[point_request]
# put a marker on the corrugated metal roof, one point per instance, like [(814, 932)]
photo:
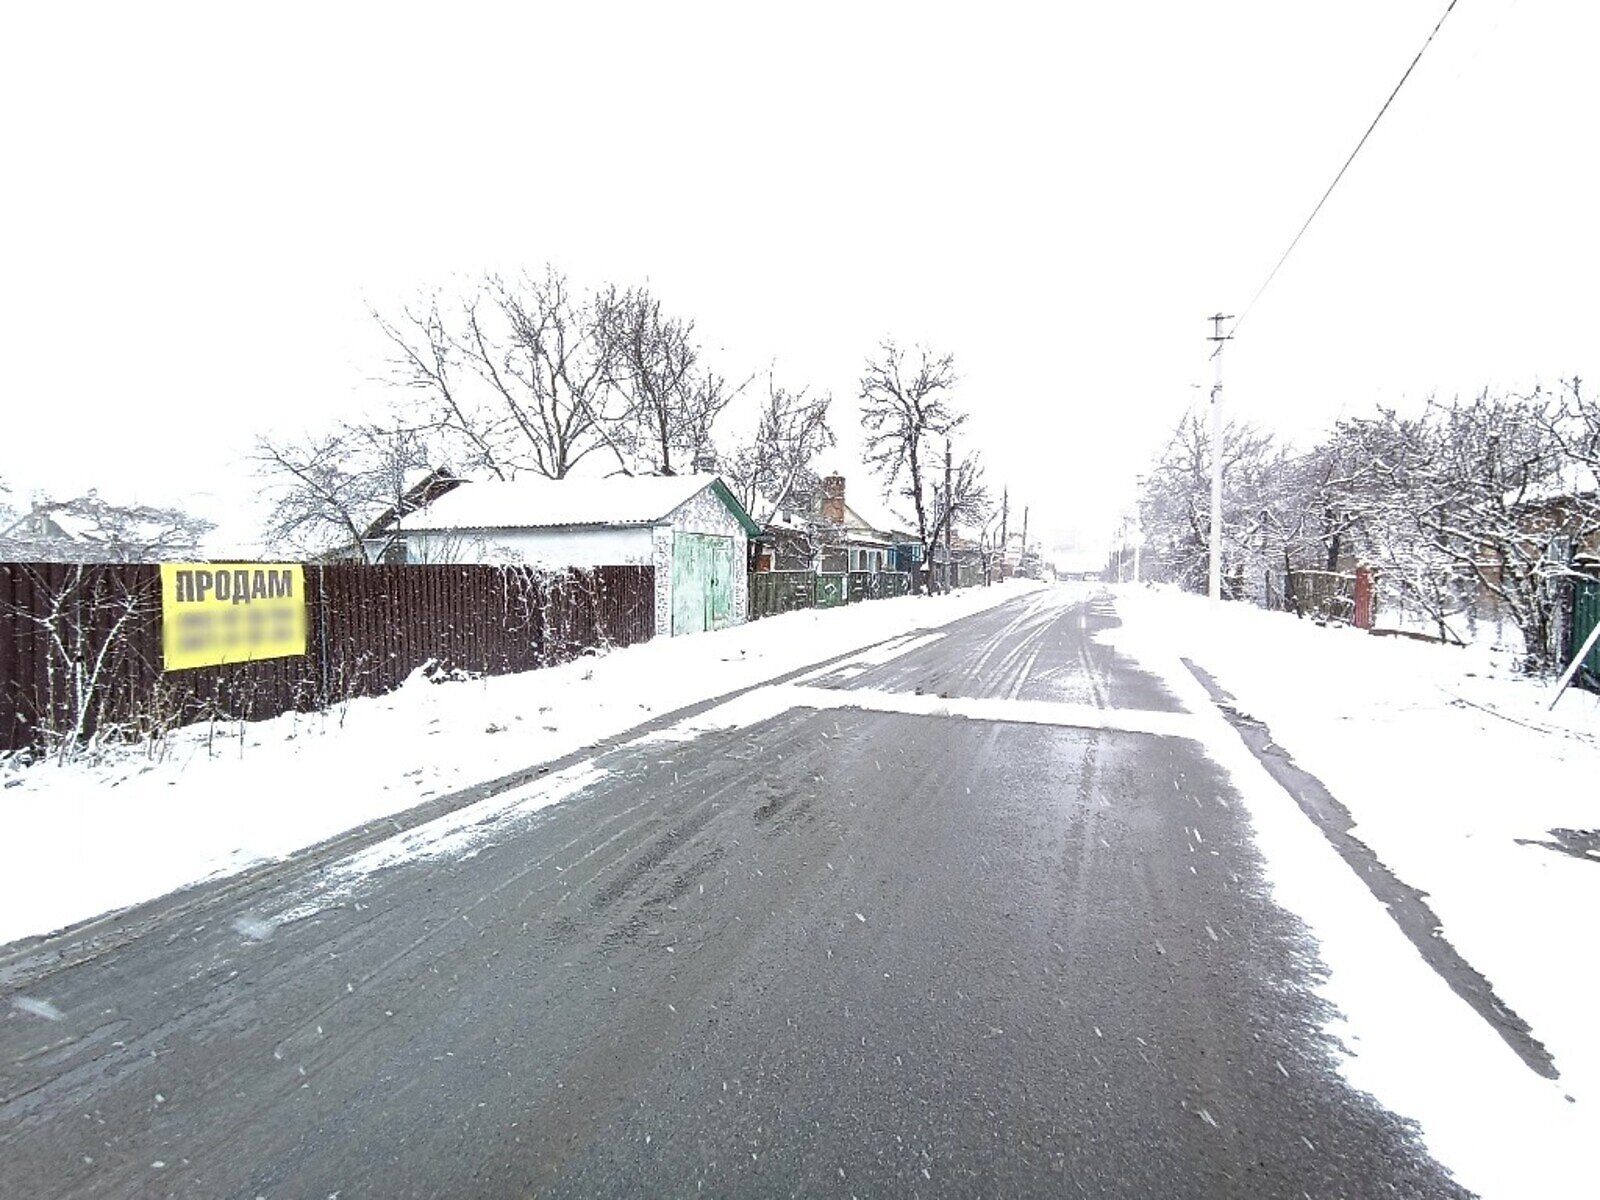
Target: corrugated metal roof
[(550, 503)]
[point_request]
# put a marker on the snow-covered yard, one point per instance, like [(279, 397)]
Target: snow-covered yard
[(1455, 773), (83, 839)]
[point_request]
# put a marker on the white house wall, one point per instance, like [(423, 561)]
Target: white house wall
[(701, 513), (625, 546)]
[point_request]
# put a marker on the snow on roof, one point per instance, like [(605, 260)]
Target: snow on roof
[(536, 503), (413, 477), (878, 516), (79, 529), (1569, 481), (792, 513), (785, 517)]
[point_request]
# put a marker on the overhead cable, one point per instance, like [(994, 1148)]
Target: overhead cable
[(1274, 272)]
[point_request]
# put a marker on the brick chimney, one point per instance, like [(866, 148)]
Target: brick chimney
[(833, 499)]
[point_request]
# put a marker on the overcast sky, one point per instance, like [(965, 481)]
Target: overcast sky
[(200, 202)]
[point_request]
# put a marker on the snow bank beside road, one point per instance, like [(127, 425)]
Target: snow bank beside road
[(1453, 771), (80, 840)]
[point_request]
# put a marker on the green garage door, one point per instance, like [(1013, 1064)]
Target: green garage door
[(702, 582)]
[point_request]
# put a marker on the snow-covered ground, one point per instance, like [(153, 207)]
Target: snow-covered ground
[(1452, 770), (83, 839)]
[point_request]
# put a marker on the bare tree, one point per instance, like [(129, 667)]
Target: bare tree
[(990, 546), (1309, 518), (1175, 504), (513, 374), (772, 471), (669, 400), (1384, 477), (328, 490), (427, 361), (959, 498), (1504, 509), (1455, 509), (540, 351), (904, 404), (1571, 419), (1472, 509), (524, 375)]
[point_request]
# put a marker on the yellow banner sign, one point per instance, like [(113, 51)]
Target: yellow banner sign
[(218, 613)]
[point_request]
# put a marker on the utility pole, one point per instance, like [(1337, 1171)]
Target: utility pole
[(949, 524), (1005, 512), (1024, 553), (1138, 526), (1215, 574)]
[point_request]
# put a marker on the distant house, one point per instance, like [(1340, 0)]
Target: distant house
[(875, 537), (690, 528), (43, 535), (89, 530), (836, 537), (790, 541), (1011, 556), (969, 560)]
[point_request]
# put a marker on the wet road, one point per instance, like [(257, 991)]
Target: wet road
[(964, 916)]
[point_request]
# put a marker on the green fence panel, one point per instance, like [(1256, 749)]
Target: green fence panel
[(773, 592), (832, 590)]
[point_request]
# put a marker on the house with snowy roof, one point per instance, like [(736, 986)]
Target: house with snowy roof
[(832, 536), (875, 536), (690, 528), (89, 530), (43, 535)]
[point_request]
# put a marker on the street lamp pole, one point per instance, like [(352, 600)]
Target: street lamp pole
[(1138, 524), (1214, 580)]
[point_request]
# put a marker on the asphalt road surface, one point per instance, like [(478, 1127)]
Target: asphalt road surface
[(923, 927)]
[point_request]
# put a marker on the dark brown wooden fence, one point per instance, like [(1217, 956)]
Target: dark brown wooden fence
[(80, 645)]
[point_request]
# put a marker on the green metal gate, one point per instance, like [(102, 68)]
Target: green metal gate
[(702, 582), (1585, 616)]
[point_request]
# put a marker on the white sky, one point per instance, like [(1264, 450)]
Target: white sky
[(199, 202)]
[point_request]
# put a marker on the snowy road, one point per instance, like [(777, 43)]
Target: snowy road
[(972, 914)]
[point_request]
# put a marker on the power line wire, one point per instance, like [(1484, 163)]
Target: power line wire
[(1273, 274)]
